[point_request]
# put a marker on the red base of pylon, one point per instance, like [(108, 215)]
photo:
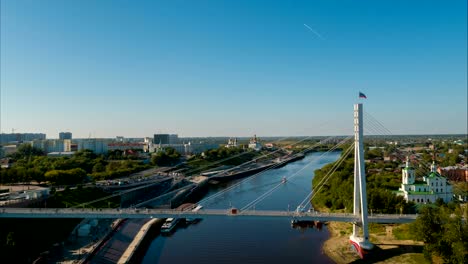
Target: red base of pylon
[(362, 248)]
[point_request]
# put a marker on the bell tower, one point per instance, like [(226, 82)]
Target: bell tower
[(408, 173)]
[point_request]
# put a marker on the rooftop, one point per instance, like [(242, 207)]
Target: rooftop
[(434, 174), (412, 192), (63, 153)]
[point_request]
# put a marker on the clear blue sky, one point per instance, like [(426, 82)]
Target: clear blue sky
[(212, 68)]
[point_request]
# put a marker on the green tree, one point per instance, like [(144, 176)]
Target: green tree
[(65, 177), (443, 232), (10, 240), (337, 192), (25, 151), (168, 157), (99, 167)]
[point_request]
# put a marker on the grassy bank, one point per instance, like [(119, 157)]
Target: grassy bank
[(392, 245)]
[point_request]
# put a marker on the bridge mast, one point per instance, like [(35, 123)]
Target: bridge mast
[(360, 194)]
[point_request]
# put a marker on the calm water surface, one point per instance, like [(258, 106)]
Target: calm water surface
[(250, 240)]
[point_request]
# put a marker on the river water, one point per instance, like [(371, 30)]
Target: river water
[(250, 240)]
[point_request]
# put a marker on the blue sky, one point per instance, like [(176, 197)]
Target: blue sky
[(214, 68)]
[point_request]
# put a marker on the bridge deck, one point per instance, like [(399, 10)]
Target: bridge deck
[(166, 213)]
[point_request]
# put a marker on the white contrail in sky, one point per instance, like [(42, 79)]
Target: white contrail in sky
[(313, 31)]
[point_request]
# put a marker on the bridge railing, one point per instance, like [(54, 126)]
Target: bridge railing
[(164, 213)]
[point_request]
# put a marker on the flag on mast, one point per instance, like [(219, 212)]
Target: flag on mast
[(361, 95)]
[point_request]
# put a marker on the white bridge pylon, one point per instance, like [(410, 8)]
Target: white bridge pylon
[(360, 194)]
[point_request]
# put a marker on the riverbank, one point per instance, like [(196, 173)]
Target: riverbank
[(141, 240), (391, 242)]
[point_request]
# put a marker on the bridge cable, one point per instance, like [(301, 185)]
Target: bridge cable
[(266, 194), (257, 174), (265, 155), (400, 155), (325, 179), (335, 166), (375, 123), (263, 196)]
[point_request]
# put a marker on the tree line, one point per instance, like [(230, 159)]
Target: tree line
[(30, 164), (337, 193)]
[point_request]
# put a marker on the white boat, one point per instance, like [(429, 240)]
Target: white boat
[(194, 220), (169, 224), (196, 209)]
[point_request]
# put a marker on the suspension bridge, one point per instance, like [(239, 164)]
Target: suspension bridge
[(359, 217), (166, 213)]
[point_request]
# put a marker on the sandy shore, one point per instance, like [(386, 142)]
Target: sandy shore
[(388, 249)]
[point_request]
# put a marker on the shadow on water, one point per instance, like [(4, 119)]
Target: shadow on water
[(306, 224), (380, 254)]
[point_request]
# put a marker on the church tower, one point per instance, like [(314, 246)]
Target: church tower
[(433, 166), (408, 173)]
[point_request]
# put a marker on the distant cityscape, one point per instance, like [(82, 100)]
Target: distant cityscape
[(66, 145)]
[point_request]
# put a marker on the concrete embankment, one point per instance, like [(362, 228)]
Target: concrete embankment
[(141, 239), (245, 172)]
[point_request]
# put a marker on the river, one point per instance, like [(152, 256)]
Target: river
[(250, 240)]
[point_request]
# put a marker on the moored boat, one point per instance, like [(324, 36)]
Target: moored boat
[(169, 225)]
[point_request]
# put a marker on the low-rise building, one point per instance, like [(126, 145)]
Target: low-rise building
[(9, 149), (61, 154), (184, 149), (6, 163), (125, 146), (432, 187), (271, 146), (197, 148), (455, 173)]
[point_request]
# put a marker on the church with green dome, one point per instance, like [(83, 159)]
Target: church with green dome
[(432, 187)]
